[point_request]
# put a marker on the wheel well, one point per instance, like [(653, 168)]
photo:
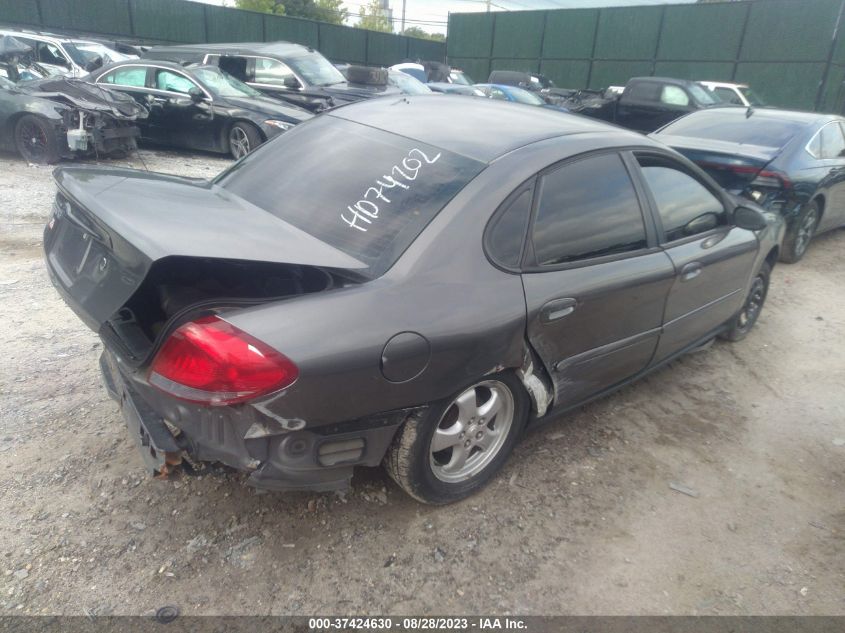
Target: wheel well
[(227, 129)]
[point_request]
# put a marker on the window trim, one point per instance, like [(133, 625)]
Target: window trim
[(818, 133), (302, 84), (151, 79), (529, 259), (655, 211), (529, 185)]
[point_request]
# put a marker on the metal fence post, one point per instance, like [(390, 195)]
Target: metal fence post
[(741, 41), (830, 52), (593, 49)]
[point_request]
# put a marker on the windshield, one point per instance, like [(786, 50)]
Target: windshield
[(370, 196), (733, 127), (408, 84), (316, 70), (750, 96), (84, 52), (460, 77), (703, 95), (523, 96), (224, 85)]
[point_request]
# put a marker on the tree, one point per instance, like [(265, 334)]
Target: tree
[(373, 18), (330, 11), (415, 31), (277, 7)]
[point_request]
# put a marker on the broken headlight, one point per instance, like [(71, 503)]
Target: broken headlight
[(282, 125)]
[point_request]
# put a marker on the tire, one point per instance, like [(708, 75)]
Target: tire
[(441, 476), (799, 235), (35, 140), (742, 323), (242, 139)]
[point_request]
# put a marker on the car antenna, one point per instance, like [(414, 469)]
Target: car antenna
[(749, 112)]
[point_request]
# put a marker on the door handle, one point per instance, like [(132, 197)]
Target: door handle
[(557, 309), (691, 271)]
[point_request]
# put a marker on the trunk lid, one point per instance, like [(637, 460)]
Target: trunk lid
[(733, 165), (111, 228)]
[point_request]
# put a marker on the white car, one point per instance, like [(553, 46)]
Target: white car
[(63, 55), (735, 94)]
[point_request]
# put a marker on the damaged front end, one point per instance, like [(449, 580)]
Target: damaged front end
[(95, 120)]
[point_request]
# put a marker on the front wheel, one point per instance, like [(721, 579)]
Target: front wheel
[(743, 322), (35, 139), (243, 138), (458, 444), (798, 238)]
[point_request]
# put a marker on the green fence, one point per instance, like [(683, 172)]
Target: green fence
[(180, 21), (791, 51)]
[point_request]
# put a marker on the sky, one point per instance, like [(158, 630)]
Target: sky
[(432, 15)]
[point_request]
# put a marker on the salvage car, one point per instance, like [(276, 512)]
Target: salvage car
[(734, 94), (648, 103), (48, 119), (283, 70), (72, 57), (415, 297), (792, 163), (515, 95), (200, 107)]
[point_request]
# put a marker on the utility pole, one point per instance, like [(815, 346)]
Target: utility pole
[(403, 16), (488, 6)]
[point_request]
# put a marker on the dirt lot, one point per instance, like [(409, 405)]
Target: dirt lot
[(582, 520)]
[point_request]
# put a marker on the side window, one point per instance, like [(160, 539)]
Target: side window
[(50, 54), (173, 82), (833, 144), (272, 72), (587, 209), (507, 233), (728, 96), (131, 76), (642, 91), (814, 147), (674, 95), (235, 66), (686, 207), (495, 93)]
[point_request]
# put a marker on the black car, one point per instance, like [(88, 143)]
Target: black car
[(414, 297), (199, 107), (57, 117), (792, 163), (283, 70)]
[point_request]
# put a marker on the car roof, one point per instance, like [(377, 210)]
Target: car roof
[(265, 48), (462, 126), (665, 80), (149, 62), (774, 114), (723, 84)]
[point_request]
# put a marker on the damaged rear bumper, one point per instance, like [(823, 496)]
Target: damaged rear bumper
[(276, 458)]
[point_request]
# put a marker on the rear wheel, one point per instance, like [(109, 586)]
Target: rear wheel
[(243, 138), (747, 317), (458, 444), (36, 140), (798, 238)]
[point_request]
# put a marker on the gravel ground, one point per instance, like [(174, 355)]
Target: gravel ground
[(581, 521)]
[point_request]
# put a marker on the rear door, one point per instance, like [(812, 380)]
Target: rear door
[(133, 80), (595, 280), (712, 259)]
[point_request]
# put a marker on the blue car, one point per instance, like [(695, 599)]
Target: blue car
[(517, 95)]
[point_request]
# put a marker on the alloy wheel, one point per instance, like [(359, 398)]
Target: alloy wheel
[(33, 141), (471, 431), (805, 232), (239, 142)]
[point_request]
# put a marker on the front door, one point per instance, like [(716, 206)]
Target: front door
[(832, 185), (181, 120), (712, 259), (596, 282)]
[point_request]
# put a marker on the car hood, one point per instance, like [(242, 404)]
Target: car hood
[(269, 108), (88, 96)]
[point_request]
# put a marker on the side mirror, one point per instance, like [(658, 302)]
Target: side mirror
[(750, 219), (291, 82), (701, 224), (94, 64), (196, 94)]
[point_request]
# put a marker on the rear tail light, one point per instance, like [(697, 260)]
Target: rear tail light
[(210, 361), (771, 180)]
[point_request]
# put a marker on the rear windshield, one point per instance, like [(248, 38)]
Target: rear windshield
[(734, 127), (364, 191)]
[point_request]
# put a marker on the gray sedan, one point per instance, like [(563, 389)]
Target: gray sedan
[(403, 281)]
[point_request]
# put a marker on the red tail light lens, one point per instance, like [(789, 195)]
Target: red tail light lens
[(210, 361)]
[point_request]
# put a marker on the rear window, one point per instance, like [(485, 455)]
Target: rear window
[(364, 191), (733, 128)]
